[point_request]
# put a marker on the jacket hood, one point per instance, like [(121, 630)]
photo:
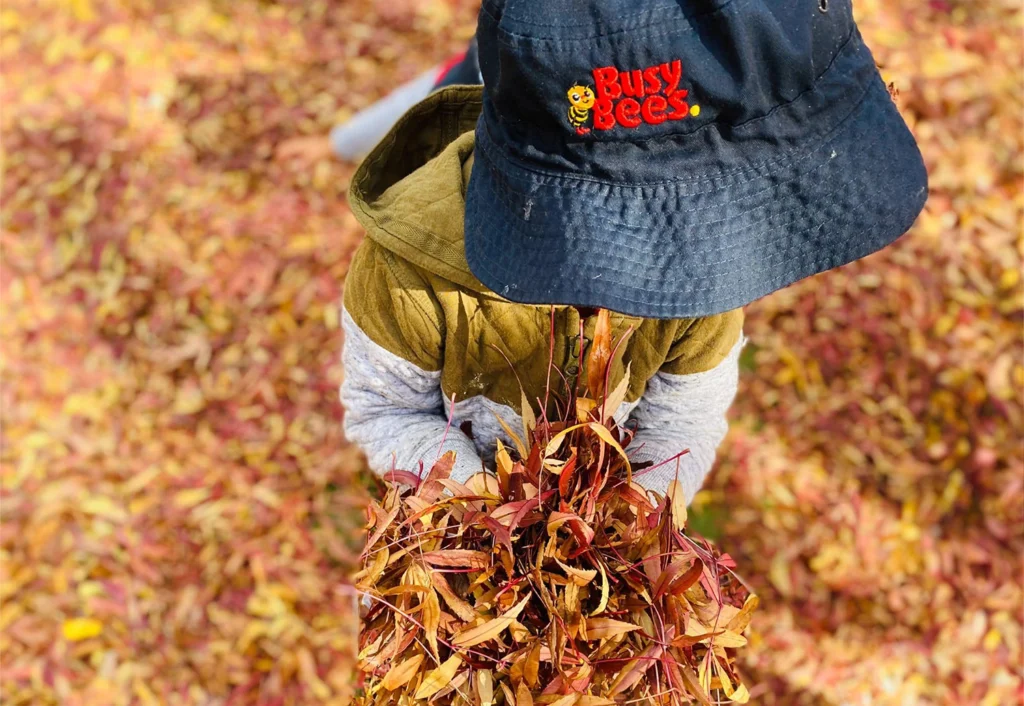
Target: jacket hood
[(409, 193)]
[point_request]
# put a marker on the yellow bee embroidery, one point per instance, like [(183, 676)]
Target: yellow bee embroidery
[(581, 100)]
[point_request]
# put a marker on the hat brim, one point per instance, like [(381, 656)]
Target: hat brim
[(690, 247)]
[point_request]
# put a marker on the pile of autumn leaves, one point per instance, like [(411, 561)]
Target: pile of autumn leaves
[(556, 581)]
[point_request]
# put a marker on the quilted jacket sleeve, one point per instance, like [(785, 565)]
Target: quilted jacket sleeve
[(394, 407), (681, 418)]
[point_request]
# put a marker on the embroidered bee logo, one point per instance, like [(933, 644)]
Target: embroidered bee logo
[(581, 100)]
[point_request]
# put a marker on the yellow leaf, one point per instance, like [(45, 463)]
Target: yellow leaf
[(520, 446), (82, 10), (741, 620), (693, 685), (779, 575), (604, 591), (556, 441), (580, 577), (606, 436), (567, 700), (738, 694), (84, 404), (992, 639), (188, 400), (678, 500), (485, 687), (728, 639), (458, 606), (102, 506), (584, 406), (400, 674), (603, 628), (489, 630), (529, 418), (191, 497), (77, 629), (502, 458), (615, 399), (368, 576), (437, 679)]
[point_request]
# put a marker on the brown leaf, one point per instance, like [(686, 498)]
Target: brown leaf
[(458, 558), (694, 687), (460, 607)]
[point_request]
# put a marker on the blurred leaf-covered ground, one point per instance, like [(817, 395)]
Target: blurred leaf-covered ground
[(177, 499)]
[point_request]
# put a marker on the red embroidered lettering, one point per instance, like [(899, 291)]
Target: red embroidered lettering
[(606, 81), (632, 83), (651, 83), (628, 98), (603, 118), (653, 110), (673, 74), (678, 101), (627, 111)]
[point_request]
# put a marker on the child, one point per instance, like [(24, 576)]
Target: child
[(668, 162)]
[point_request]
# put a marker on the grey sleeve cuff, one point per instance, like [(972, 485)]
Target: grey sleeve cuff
[(394, 411), (684, 412)]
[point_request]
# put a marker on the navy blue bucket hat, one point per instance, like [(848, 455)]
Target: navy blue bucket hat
[(673, 159)]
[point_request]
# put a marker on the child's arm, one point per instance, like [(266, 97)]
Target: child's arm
[(394, 407), (685, 405)]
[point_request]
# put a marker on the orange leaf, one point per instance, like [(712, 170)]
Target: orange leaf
[(400, 674), (532, 666), (600, 354), (523, 696), (491, 629), (430, 614), (603, 628)]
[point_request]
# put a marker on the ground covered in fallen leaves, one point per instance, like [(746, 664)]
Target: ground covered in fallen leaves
[(176, 494)]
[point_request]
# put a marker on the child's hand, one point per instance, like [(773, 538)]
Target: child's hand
[(306, 151)]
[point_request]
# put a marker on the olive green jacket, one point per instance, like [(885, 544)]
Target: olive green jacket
[(422, 331)]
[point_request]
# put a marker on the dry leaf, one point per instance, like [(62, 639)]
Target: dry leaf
[(401, 673)]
